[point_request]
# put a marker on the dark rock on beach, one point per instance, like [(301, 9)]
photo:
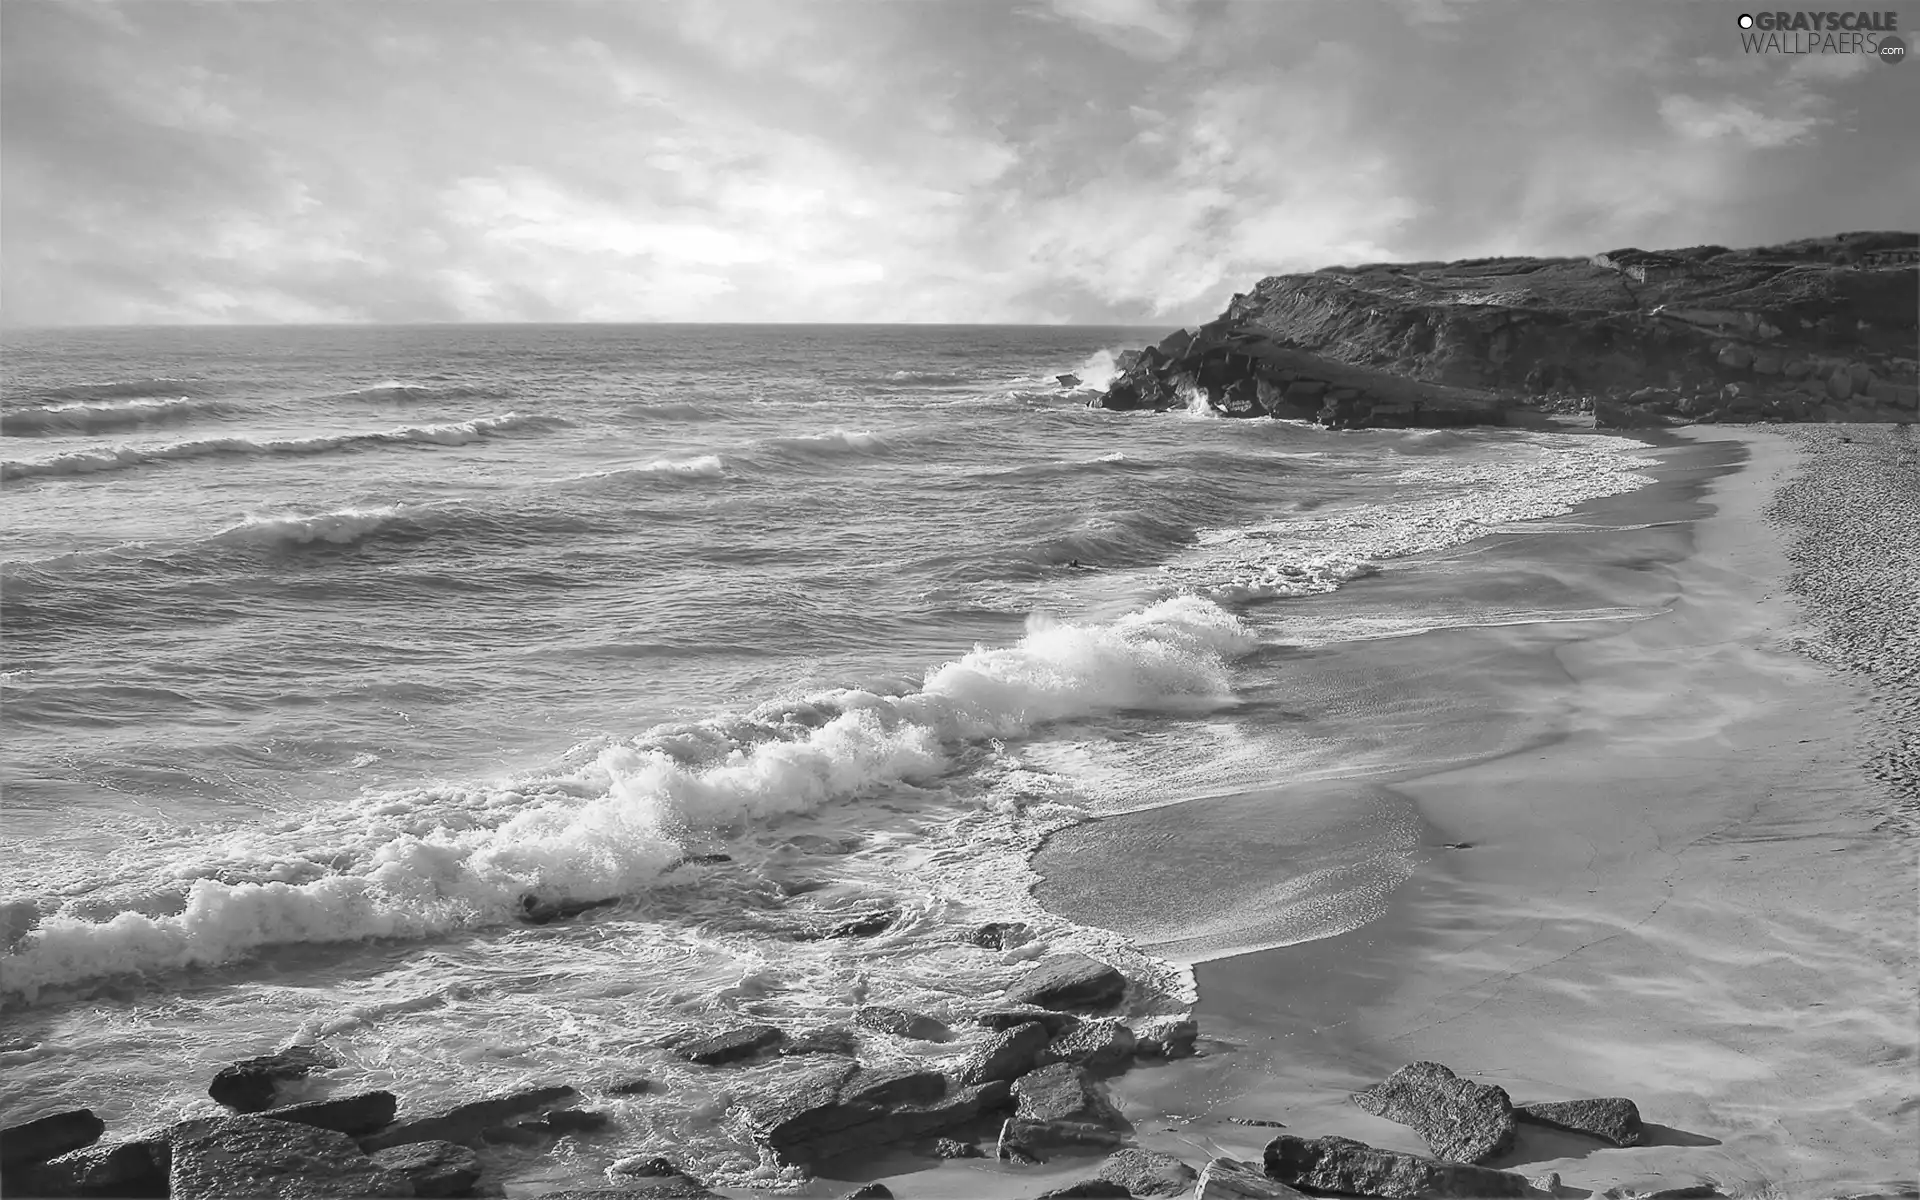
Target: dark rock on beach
[(1231, 1179), (947, 1147), (1461, 1120), (830, 1040), (900, 1023), (1088, 1189), (354, 1115), (467, 1124), (1101, 1043), (223, 1157), (1166, 1037), (1054, 1022), (1611, 1119), (434, 1168), (1070, 981), (1006, 1055), (1347, 1167), (732, 1045), (252, 1085), (840, 1109), (1149, 1173), (127, 1169), (870, 1191), (670, 1187), (1058, 1106), (865, 925), (537, 911), (1001, 935), (45, 1137)]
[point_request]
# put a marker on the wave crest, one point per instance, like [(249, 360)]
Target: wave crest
[(425, 861), (117, 458), (95, 416)]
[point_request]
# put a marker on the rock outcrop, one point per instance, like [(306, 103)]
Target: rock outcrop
[(222, 1157), (1350, 1168), (844, 1108), (1149, 1173), (354, 1115), (253, 1085), (1462, 1121), (1070, 981), (468, 1124), (1823, 329), (1060, 1106), (1231, 1179), (434, 1168), (46, 1137)]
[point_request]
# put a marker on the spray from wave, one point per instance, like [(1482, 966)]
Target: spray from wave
[(117, 458), (426, 861)]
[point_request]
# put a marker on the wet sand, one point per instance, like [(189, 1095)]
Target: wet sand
[(1646, 864)]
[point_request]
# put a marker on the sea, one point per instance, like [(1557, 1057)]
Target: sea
[(345, 666)]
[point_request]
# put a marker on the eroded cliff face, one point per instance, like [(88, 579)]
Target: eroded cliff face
[(1820, 329)]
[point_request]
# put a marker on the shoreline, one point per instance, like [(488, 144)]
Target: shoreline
[(1701, 918)]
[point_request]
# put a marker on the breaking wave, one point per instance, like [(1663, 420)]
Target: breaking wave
[(118, 458), (418, 862), (394, 389), (95, 416)]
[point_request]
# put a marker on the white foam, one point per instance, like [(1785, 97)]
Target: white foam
[(340, 527), (419, 861)]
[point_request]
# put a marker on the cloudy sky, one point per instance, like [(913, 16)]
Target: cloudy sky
[(933, 160)]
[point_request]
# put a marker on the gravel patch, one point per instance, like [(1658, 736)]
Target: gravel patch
[(1852, 517)]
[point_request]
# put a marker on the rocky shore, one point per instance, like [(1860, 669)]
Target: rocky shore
[(1817, 330), (1034, 1089)]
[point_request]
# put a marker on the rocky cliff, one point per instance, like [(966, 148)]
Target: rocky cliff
[(1822, 329)]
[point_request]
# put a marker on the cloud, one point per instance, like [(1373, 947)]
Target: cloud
[(1112, 160)]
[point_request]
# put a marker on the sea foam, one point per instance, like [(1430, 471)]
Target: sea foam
[(95, 416), (417, 862)]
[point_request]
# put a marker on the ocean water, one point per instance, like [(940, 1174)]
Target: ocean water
[(328, 650)]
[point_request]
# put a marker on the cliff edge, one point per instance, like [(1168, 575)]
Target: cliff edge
[(1820, 329)]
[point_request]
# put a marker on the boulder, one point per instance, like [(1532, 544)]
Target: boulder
[(1061, 1105), (137, 1168), (830, 1040), (1736, 358), (629, 1087), (1070, 981), (1611, 1119), (901, 1023), (1767, 362), (47, 1137), (1001, 935), (947, 1147), (840, 1109), (1056, 1023), (870, 1191), (731, 1045), (865, 925), (1148, 1172), (359, 1114), (1337, 1164), (537, 911), (1100, 1043), (1088, 1189), (1231, 1179), (1006, 1055), (466, 1124), (1839, 384), (434, 1168), (1894, 395), (560, 1121), (1166, 1037), (1176, 344), (219, 1158), (252, 1085), (1069, 380), (1461, 1120)]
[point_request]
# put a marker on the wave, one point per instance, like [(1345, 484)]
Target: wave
[(948, 378), (341, 527), (840, 443), (425, 861), (95, 416), (1436, 505), (116, 389), (117, 458), (394, 389)]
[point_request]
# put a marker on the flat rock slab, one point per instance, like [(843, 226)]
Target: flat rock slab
[(1461, 1120), (223, 1157), (49, 1136), (1149, 1173), (1347, 1167), (1088, 1189), (1057, 1106), (730, 1045), (468, 1123), (837, 1110), (359, 1114), (252, 1085), (1612, 1119), (1101, 1043), (1232, 1179), (434, 1168), (901, 1023), (1070, 981)]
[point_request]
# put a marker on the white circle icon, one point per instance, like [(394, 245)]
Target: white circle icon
[(1746, 21)]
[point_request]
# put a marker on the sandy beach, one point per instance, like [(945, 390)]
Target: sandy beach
[(1654, 860)]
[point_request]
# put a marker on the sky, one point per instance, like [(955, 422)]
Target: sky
[(1039, 161)]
